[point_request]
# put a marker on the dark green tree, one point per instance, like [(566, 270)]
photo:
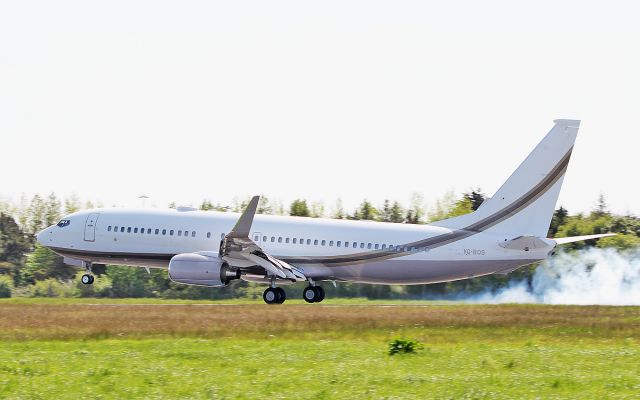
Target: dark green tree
[(299, 208)]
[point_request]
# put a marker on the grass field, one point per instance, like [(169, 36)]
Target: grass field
[(158, 349)]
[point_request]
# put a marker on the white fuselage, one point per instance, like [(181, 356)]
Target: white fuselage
[(359, 251)]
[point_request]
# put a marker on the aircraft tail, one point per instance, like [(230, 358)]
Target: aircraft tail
[(524, 204)]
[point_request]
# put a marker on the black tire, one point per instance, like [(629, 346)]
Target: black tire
[(270, 296), (320, 292), (282, 295), (93, 278), (86, 279), (309, 294)]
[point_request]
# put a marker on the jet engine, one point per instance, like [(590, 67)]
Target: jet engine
[(201, 270)]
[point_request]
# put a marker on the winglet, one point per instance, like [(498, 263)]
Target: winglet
[(243, 226)]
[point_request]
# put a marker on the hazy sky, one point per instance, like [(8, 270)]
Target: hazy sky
[(352, 99)]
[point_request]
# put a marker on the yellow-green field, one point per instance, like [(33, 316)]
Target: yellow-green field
[(154, 349)]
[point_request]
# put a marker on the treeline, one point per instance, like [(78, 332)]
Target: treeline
[(28, 269)]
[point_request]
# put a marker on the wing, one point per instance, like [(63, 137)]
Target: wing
[(572, 239), (238, 250)]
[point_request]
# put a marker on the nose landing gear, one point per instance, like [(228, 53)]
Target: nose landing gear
[(87, 279)]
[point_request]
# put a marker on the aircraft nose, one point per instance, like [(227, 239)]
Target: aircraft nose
[(43, 236)]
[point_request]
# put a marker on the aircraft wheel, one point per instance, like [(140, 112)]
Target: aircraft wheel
[(282, 295), (310, 295), (87, 279), (271, 296), (320, 292)]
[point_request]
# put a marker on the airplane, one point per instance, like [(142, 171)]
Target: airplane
[(209, 248)]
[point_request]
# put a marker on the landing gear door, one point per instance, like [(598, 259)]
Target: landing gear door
[(90, 227)]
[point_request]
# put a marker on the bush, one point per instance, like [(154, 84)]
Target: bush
[(404, 346), (51, 288), (6, 287)]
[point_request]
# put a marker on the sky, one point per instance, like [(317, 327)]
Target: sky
[(183, 101)]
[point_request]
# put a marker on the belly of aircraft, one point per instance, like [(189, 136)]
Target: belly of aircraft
[(413, 272)]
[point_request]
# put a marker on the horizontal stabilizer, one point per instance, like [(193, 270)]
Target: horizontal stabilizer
[(572, 239)]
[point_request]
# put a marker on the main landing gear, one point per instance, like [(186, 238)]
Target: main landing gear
[(277, 295), (313, 294), (274, 295)]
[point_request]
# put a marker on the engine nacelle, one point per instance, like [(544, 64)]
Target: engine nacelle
[(201, 270)]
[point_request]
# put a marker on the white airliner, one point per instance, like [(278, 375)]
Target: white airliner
[(211, 248)]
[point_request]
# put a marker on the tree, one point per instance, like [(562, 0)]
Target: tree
[(338, 210), (476, 197), (43, 263), (559, 218), (52, 210), (13, 243), (317, 209), (601, 206), (37, 219), (71, 204), (366, 211), (299, 208)]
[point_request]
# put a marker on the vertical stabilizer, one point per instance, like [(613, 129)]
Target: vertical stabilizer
[(524, 204)]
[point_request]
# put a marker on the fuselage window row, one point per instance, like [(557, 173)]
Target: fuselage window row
[(156, 231)]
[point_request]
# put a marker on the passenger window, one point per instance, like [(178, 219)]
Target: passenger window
[(142, 230), (179, 233), (149, 231), (301, 241), (338, 243), (286, 240), (208, 235), (129, 230), (323, 243), (280, 239), (308, 241), (164, 231), (330, 243), (264, 238), (362, 245), (171, 232), (186, 233), (109, 228), (376, 246), (315, 242), (122, 229), (355, 244), (273, 239), (368, 245), (346, 244), (295, 240), (193, 233), (157, 231), (384, 246), (135, 230), (256, 238), (115, 229)]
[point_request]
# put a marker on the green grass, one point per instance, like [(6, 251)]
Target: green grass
[(254, 351)]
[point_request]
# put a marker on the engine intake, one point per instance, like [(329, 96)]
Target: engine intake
[(201, 270)]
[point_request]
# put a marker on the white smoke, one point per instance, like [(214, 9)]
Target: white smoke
[(594, 276)]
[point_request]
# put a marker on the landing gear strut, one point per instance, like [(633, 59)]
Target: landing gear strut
[(274, 295), (87, 278), (313, 294)]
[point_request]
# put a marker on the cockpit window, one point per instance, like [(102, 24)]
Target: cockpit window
[(63, 223)]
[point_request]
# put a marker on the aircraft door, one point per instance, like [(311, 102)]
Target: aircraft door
[(90, 227)]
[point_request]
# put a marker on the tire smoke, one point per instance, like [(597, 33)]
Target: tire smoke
[(593, 276)]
